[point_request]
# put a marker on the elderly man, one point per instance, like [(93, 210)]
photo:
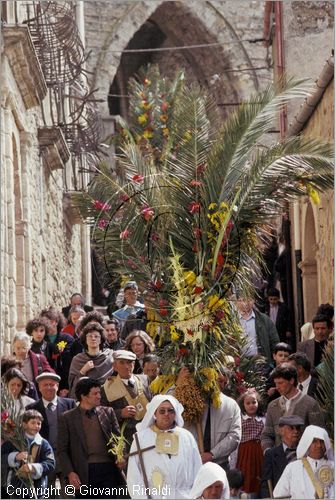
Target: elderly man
[(290, 402), (210, 482), (76, 299), (127, 394), (276, 459), (51, 406), (312, 475), (83, 434), (132, 305), (260, 332)]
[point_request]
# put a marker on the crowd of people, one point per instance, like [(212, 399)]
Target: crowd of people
[(81, 383)]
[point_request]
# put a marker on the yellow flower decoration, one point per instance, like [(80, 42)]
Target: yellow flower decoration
[(174, 333), (190, 277), (163, 118), (187, 136), (148, 134), (212, 206), (216, 399), (314, 195), (142, 118), (145, 105), (61, 345), (166, 132)]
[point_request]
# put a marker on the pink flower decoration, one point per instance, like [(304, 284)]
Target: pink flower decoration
[(195, 183), (124, 197), (138, 178), (194, 207), (102, 223), (148, 212), (197, 232), (154, 237), (124, 234), (100, 205)]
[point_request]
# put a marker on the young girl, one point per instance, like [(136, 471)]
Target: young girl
[(250, 454)]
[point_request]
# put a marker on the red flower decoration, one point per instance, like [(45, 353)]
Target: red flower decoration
[(237, 361), (102, 223), (124, 197), (4, 416), (55, 356), (138, 178), (100, 205), (190, 332), (154, 237), (219, 314), (183, 352), (201, 168), (148, 213), (195, 183), (197, 232), (124, 234), (194, 207), (197, 290), (164, 106), (163, 312)]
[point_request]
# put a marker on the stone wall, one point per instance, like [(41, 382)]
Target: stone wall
[(42, 253), (111, 25)]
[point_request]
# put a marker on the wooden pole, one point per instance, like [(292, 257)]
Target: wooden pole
[(200, 436), (145, 478)]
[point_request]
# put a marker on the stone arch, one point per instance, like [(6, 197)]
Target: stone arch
[(309, 265), (183, 24), (20, 244)]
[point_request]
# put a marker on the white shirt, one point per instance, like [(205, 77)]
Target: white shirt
[(273, 313), (295, 481), (305, 385), (54, 402), (249, 327), (289, 401)]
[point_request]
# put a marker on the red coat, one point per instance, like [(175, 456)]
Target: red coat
[(39, 364)]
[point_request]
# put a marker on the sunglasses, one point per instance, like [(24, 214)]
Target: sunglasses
[(163, 411)]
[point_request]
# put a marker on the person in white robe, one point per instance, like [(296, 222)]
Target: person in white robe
[(313, 472), (210, 482), (168, 468)]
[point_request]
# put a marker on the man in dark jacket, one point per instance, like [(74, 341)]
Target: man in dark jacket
[(259, 330), (82, 453), (276, 459), (51, 407), (280, 315)]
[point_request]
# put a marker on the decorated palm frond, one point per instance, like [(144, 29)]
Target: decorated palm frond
[(325, 392), (117, 443), (183, 209)]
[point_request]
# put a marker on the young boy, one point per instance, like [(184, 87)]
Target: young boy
[(280, 355), (37, 461)]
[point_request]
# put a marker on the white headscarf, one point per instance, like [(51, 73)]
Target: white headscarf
[(208, 474), (311, 432), (149, 419)]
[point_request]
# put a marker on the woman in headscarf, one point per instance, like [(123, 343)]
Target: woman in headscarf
[(312, 474), (93, 362), (210, 482), (164, 457)]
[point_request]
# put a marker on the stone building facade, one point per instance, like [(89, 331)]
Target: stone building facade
[(304, 44), (45, 252)]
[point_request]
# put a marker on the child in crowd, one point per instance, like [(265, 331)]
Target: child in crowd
[(250, 454), (236, 480), (280, 355), (36, 461)]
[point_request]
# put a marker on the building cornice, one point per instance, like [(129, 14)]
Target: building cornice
[(21, 54), (53, 147)]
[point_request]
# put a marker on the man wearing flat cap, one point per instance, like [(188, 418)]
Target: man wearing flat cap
[(132, 305), (276, 459), (51, 407), (127, 394)]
